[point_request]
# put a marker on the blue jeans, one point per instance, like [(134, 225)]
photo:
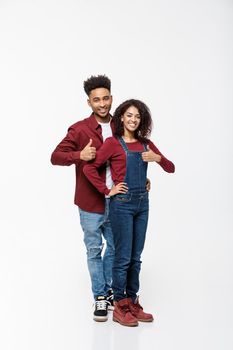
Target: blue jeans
[(96, 227), (129, 218)]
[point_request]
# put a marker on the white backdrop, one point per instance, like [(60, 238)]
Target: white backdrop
[(177, 57)]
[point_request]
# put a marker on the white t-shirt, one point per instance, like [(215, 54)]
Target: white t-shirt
[(107, 132)]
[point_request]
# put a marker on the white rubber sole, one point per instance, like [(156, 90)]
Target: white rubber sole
[(100, 318)]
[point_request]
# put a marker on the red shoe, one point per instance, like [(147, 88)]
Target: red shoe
[(122, 314), (137, 311)]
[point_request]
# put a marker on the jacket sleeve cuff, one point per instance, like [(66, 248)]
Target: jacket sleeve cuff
[(162, 161), (76, 156)]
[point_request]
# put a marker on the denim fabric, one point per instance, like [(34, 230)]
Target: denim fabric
[(129, 218), (136, 170), (96, 227)]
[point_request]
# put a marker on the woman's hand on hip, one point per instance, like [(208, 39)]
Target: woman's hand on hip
[(119, 188)]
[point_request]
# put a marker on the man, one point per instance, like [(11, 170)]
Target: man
[(78, 147)]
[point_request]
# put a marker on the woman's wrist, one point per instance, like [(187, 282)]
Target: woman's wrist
[(158, 158)]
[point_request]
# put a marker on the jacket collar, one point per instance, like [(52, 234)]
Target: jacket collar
[(93, 122)]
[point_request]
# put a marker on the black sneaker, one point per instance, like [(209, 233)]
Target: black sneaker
[(101, 309), (110, 300)]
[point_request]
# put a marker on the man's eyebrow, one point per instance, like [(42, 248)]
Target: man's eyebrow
[(97, 97)]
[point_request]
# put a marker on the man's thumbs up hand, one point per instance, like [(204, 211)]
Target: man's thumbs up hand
[(88, 152)]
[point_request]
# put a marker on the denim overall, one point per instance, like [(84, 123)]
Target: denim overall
[(129, 217)]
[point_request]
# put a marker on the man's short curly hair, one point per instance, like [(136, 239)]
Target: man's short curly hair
[(94, 82)]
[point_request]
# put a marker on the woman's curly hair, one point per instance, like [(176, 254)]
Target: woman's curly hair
[(144, 129)]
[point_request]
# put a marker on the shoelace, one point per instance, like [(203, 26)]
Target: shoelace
[(110, 299), (125, 309), (137, 306), (101, 304)]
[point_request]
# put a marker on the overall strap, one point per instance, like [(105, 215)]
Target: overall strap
[(123, 144)]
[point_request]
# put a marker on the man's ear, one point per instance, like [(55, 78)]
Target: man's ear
[(88, 102)]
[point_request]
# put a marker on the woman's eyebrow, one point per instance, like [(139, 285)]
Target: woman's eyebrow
[(132, 113)]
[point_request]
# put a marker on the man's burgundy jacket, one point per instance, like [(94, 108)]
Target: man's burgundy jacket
[(87, 197)]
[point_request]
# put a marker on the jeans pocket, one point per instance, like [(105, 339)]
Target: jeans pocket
[(122, 197)]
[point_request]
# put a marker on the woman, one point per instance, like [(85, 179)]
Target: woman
[(128, 153)]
